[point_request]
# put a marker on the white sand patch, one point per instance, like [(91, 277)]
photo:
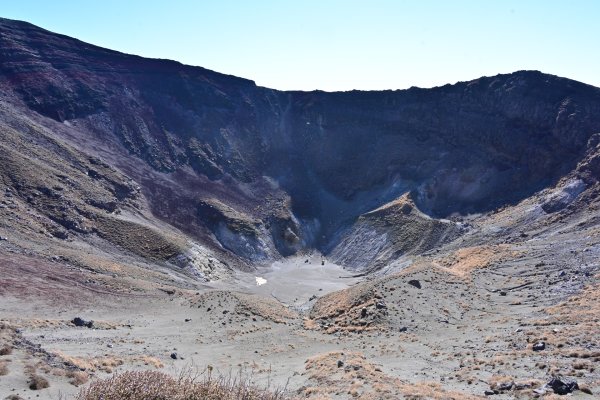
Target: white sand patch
[(260, 281)]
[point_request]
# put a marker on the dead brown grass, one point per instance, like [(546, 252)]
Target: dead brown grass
[(4, 369), (153, 385), (14, 397), (92, 364), (356, 377), (6, 350), (465, 260), (584, 306), (152, 361), (78, 378), (37, 382)]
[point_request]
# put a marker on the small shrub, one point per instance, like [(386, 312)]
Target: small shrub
[(37, 382), (154, 385), (5, 350), (580, 365), (3, 369), (78, 378)]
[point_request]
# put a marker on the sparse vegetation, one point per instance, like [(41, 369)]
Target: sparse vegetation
[(6, 350), (3, 369), (37, 382), (14, 397), (153, 385), (78, 378)]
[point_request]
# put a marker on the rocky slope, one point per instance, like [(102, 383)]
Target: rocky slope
[(251, 174), (145, 197)]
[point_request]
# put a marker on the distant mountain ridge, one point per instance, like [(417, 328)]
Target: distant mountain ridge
[(253, 173)]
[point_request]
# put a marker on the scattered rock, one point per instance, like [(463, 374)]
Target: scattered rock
[(522, 386), (489, 393), (174, 356), (340, 364), (350, 368), (559, 386), (363, 313), (503, 293), (504, 387), (562, 386), (541, 391), (416, 283), (403, 329), (188, 319), (539, 346), (380, 305), (78, 321)]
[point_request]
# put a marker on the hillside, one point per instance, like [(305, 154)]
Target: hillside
[(424, 238)]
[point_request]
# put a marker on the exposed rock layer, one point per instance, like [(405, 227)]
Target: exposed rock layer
[(255, 173)]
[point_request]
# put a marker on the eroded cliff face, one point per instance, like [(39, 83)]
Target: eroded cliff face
[(258, 174)]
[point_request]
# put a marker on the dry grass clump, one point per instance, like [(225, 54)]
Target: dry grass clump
[(92, 364), (432, 391), (497, 381), (3, 369), (78, 378), (6, 350), (152, 361), (351, 374), (583, 307), (37, 382), (465, 260), (153, 385)]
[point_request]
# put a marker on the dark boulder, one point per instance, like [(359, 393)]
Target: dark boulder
[(563, 386), (78, 321), (416, 283), (539, 346)]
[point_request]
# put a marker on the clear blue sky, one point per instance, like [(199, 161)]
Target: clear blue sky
[(340, 44)]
